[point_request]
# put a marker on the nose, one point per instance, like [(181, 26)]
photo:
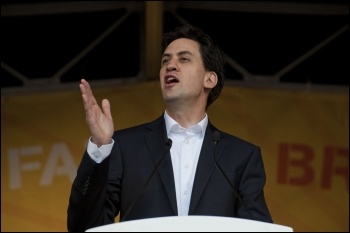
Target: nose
[(171, 66)]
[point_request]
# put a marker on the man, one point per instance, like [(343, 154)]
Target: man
[(167, 167)]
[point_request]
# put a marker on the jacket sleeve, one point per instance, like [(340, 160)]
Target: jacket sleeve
[(95, 193)]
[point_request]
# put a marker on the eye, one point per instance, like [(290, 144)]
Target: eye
[(164, 61), (183, 59)]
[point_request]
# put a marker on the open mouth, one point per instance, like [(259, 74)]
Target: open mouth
[(171, 79)]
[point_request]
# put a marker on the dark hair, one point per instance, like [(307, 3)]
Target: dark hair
[(212, 56)]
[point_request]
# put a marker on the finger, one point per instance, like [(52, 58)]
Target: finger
[(86, 102), (85, 87), (89, 93), (85, 96), (89, 100), (106, 106), (89, 97)]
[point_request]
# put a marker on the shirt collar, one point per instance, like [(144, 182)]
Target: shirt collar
[(173, 126)]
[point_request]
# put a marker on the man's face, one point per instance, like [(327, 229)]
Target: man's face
[(182, 74)]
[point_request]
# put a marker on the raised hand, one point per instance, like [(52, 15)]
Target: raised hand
[(99, 120)]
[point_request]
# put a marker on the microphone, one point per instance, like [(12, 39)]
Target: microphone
[(216, 137), (168, 144)]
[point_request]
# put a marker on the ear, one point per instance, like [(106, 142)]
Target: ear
[(211, 79)]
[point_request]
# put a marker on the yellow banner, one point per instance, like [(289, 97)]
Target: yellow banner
[(304, 138)]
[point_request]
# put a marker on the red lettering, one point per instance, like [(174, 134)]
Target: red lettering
[(329, 169), (303, 163), (300, 156)]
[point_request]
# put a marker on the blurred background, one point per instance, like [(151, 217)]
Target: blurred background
[(287, 90)]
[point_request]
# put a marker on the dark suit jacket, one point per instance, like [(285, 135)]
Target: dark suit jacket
[(100, 191)]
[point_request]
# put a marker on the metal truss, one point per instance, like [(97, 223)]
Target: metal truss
[(49, 8)]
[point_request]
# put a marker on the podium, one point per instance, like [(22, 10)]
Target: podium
[(192, 224)]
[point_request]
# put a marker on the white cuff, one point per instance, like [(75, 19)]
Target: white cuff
[(99, 154)]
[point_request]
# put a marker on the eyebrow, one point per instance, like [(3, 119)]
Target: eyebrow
[(179, 53)]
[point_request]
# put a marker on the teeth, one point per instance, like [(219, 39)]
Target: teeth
[(170, 79)]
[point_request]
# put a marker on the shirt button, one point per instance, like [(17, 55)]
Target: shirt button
[(187, 166), (185, 193)]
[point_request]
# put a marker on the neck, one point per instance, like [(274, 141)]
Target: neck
[(186, 118)]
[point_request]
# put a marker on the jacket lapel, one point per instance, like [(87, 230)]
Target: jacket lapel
[(155, 139), (205, 167)]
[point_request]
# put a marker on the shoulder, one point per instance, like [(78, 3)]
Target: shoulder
[(239, 150), (140, 128), (235, 142)]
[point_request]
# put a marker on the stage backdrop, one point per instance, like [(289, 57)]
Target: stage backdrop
[(304, 138)]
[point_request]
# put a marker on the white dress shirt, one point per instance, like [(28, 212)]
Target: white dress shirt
[(185, 150), (186, 146)]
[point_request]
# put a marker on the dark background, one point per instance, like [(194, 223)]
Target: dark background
[(263, 37)]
